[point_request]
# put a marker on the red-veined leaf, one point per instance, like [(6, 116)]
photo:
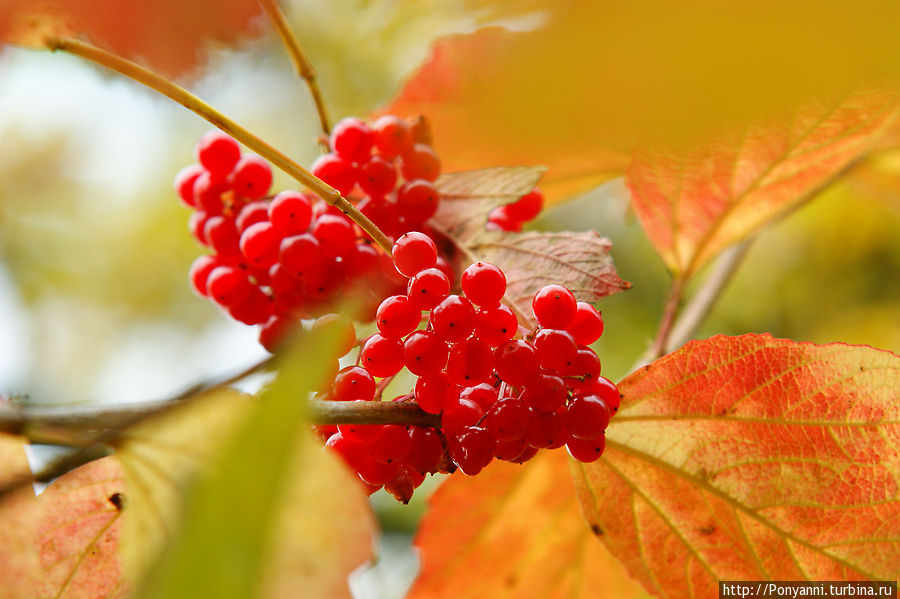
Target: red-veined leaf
[(514, 531), (694, 202), (742, 458)]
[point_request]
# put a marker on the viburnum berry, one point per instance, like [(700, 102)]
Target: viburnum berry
[(414, 252), (396, 317), (382, 356), (516, 362), (554, 306), (335, 171), (378, 176), (252, 177), (556, 349), (454, 318), (425, 353), (218, 153), (260, 244), (428, 288), (507, 419), (434, 393), (587, 324), (290, 212), (351, 139), (184, 183), (420, 162), (417, 201), (586, 417), (250, 214), (527, 207), (391, 136), (495, 325), (586, 451), (353, 383), (199, 273), (484, 284), (469, 362)]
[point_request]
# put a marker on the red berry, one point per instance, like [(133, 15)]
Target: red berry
[(463, 413), (335, 171), (335, 234), (554, 307), (556, 349), (353, 383), (547, 393), (516, 362), (252, 177), (420, 162), (413, 252), (484, 394), (275, 330), (586, 451), (381, 212), (417, 201), (351, 139), (435, 393), (222, 236), (197, 226), (382, 356), (228, 286), (426, 449), (396, 317), (527, 207), (302, 257), (507, 419), (469, 362), (495, 325), (425, 353), (260, 244), (208, 192), (510, 450), (608, 392), (392, 136), (250, 214), (586, 417), (256, 308), (546, 431), (199, 273), (290, 212), (352, 452), (586, 325), (428, 288), (484, 284), (454, 318), (585, 365), (526, 455), (405, 483), (184, 183), (377, 473), (218, 153), (500, 220), (377, 176), (391, 445), (472, 449)]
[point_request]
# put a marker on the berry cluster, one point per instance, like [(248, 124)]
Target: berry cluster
[(502, 391), (511, 217), (277, 259)]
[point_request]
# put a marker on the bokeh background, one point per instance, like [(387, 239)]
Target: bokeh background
[(94, 247)]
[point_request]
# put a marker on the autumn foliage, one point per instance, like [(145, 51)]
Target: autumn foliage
[(747, 457)]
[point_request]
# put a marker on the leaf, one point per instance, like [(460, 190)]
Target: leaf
[(580, 261), (694, 202), (578, 90), (78, 532), (18, 520), (167, 35), (261, 518), (752, 458), (514, 531), (468, 197)]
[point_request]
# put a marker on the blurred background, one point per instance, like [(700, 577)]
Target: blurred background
[(94, 246)]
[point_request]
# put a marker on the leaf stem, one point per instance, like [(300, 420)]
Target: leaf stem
[(700, 305), (302, 64), (670, 311), (196, 105)]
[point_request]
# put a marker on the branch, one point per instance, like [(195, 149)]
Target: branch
[(670, 311), (301, 63), (702, 302), (196, 105)]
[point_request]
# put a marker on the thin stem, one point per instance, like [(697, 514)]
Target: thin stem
[(670, 311), (302, 65), (216, 118), (700, 305), (370, 412), (521, 315)]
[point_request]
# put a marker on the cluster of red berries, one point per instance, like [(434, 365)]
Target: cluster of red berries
[(502, 391), (277, 259)]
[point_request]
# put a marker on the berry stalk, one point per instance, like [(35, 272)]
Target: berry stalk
[(302, 65), (197, 106)]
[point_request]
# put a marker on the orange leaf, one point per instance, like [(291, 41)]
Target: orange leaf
[(18, 520), (693, 203), (78, 533), (747, 458), (166, 35), (472, 132), (514, 531)]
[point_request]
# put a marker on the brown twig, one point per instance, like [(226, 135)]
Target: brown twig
[(302, 65), (670, 311), (196, 105)]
